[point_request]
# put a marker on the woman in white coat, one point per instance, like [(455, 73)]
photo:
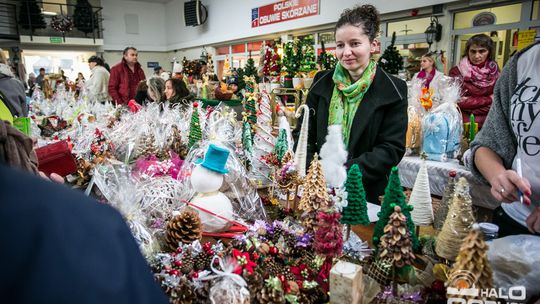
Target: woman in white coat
[(428, 73), (98, 82)]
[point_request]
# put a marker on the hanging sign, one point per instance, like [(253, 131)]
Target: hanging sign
[(525, 38), (283, 11), (55, 40)]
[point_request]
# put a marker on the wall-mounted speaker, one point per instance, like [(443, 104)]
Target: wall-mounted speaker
[(195, 13)]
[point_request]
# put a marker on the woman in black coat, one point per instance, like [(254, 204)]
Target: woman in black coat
[(370, 104)]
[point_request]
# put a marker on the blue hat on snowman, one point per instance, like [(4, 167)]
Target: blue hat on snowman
[(215, 159)]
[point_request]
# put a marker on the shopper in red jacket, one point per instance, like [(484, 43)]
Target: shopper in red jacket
[(125, 76), (478, 72)]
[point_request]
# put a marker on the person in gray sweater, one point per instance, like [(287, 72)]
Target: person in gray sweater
[(12, 89), (511, 136)]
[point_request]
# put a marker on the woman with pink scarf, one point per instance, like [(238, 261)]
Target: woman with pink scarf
[(479, 72)]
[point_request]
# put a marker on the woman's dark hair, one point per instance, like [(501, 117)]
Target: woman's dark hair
[(97, 60), (141, 94), (481, 40), (365, 16), (179, 87)]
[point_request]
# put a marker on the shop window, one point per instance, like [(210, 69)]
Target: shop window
[(254, 46), (55, 7), (327, 37), (238, 61), (488, 16), (536, 10), (239, 48), (408, 27), (222, 50)]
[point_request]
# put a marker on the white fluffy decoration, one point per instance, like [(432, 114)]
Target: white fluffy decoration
[(422, 213), (333, 157), (217, 203), (204, 180)]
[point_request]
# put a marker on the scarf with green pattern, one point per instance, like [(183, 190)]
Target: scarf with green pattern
[(347, 96)]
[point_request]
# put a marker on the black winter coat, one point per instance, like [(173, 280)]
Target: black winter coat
[(377, 139)]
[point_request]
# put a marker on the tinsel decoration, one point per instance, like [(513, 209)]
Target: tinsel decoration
[(472, 260), (271, 60), (329, 234), (307, 53), (62, 24), (291, 58), (183, 228), (458, 222), (195, 133)]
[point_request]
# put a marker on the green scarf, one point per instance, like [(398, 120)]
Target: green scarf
[(346, 97)]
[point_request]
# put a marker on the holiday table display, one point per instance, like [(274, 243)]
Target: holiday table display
[(439, 214)]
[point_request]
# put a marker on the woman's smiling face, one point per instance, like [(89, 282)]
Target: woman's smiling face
[(353, 48)]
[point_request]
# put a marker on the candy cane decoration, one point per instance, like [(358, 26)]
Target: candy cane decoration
[(300, 154)]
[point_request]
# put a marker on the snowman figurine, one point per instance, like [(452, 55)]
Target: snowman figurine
[(206, 180)]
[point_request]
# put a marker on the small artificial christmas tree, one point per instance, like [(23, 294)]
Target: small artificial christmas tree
[(210, 68), (458, 222), (356, 211), (263, 142), (472, 259), (185, 66), (329, 234), (441, 212), (327, 60), (227, 72), (281, 146), (240, 79), (195, 133), (420, 200), (271, 61), (396, 244), (393, 196), (391, 61), (30, 16), (250, 110), (307, 54), (250, 69), (291, 59), (315, 196), (84, 18)]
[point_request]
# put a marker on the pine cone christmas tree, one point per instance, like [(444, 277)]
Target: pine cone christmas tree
[(272, 267), (472, 260), (147, 145), (396, 242), (271, 292), (175, 143), (315, 196), (310, 220), (185, 228), (289, 155), (188, 262), (458, 222)]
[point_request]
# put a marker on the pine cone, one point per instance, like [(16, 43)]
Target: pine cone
[(202, 261), (272, 267), (269, 295), (255, 284), (184, 293), (310, 220), (184, 228), (187, 264), (203, 293), (313, 296)]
